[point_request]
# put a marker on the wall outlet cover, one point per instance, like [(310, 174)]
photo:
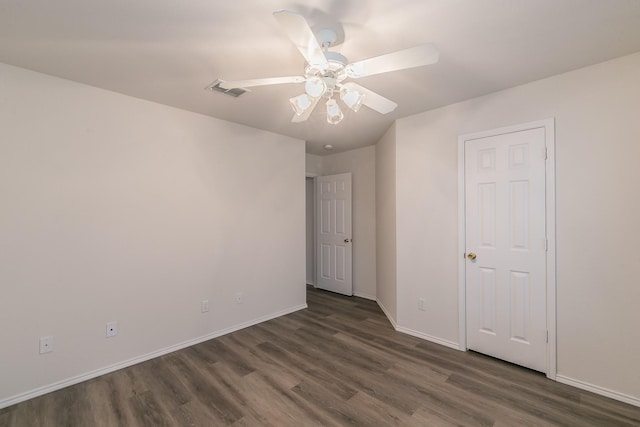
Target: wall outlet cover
[(46, 344), (112, 329)]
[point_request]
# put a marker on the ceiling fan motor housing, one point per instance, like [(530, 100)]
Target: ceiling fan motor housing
[(331, 75), (326, 37)]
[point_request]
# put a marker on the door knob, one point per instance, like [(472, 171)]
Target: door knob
[(347, 240), (471, 256)]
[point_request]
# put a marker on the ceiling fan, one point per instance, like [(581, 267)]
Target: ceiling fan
[(325, 72)]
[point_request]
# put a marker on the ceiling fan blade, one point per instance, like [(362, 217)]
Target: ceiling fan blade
[(261, 82), (418, 56), (373, 100), (304, 116), (302, 36)]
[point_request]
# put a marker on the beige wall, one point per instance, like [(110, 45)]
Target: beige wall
[(114, 208), (361, 164), (598, 146), (313, 165), (386, 223)]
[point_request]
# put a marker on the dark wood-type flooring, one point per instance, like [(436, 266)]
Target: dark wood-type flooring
[(337, 363)]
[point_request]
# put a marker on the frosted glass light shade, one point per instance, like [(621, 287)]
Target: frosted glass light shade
[(352, 98), (315, 87), (300, 103), (334, 114)]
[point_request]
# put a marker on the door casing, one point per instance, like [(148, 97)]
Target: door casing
[(333, 282), (549, 127)]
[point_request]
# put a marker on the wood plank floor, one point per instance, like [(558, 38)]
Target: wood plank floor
[(337, 363)]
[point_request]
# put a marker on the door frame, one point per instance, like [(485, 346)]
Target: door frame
[(550, 200), (312, 177), (316, 237)]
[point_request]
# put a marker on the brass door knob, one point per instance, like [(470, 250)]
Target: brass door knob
[(471, 256)]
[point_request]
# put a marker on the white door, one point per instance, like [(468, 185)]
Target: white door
[(333, 233), (506, 247)]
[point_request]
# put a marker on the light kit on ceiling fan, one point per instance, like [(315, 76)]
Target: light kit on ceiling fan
[(334, 113), (326, 72), (352, 98), (301, 103), (315, 86)]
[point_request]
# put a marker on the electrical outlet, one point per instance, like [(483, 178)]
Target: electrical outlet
[(112, 329), (46, 344), (421, 304), (239, 298), (204, 305)]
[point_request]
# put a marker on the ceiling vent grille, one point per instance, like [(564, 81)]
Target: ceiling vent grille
[(235, 92)]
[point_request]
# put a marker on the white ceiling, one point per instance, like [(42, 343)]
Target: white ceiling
[(168, 51)]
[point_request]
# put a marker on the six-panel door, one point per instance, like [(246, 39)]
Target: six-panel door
[(505, 229), (333, 233)]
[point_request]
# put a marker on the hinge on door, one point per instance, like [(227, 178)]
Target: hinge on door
[(546, 153), (546, 245), (547, 339)]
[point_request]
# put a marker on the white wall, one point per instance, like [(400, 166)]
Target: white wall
[(598, 202), (313, 165), (114, 208), (386, 224), (361, 164)]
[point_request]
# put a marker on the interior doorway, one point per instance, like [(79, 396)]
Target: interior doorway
[(329, 250), (507, 244), (333, 233), (310, 231)]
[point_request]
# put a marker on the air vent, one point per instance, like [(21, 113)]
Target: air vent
[(235, 92)]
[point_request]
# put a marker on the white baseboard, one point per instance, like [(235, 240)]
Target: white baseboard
[(599, 390), (365, 296), (130, 362), (386, 313), (417, 334), (427, 337)]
